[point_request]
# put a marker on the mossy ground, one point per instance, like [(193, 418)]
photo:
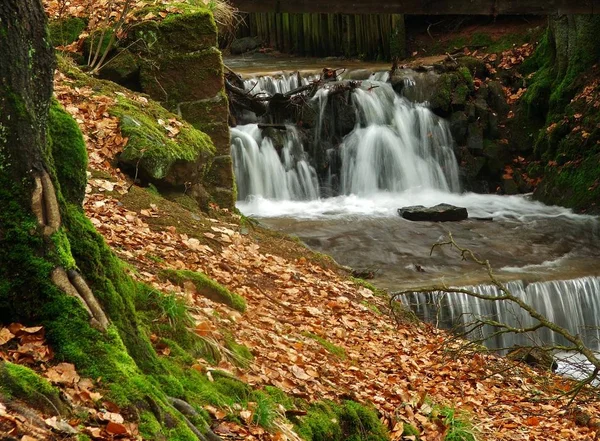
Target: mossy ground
[(328, 421), (206, 287)]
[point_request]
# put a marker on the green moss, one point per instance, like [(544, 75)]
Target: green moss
[(410, 430), (481, 39), (69, 153), (65, 31), (575, 185), (328, 421), (149, 142), (458, 427), (20, 382), (330, 347), (206, 287), (62, 248)]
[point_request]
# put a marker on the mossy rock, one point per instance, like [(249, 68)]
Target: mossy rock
[(65, 31), (220, 173), (574, 186), (187, 32), (69, 153), (123, 68), (206, 287), (452, 92), (160, 155), (474, 66), (214, 110), (181, 77), (210, 116)]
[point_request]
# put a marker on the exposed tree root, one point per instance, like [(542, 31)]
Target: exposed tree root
[(72, 284), (88, 296), (186, 411)]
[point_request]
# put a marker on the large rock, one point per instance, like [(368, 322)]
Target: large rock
[(533, 356), (439, 213), (246, 44)]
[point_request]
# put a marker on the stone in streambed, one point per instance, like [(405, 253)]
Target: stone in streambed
[(439, 213)]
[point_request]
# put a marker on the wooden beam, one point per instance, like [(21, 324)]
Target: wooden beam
[(424, 7)]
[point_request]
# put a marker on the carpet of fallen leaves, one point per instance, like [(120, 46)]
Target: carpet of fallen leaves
[(397, 367)]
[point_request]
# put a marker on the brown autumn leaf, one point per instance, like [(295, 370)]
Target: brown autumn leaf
[(63, 373), (5, 336), (116, 428)]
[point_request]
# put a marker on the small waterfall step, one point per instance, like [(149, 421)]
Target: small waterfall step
[(572, 304)]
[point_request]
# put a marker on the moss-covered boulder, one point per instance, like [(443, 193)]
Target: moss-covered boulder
[(122, 68), (65, 31), (190, 31), (452, 91), (180, 77), (161, 148)]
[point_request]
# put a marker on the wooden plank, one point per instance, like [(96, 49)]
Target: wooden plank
[(424, 7)]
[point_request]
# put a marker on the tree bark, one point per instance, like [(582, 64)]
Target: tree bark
[(26, 66)]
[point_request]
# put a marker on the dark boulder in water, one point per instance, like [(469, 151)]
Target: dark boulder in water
[(439, 213), (533, 356)]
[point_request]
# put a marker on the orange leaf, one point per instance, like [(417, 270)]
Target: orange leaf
[(116, 428), (532, 421)]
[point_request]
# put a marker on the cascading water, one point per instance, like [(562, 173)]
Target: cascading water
[(396, 145), (260, 170), (571, 304), (395, 152)]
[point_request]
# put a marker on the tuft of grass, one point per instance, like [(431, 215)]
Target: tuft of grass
[(458, 427), (330, 347), (171, 307)]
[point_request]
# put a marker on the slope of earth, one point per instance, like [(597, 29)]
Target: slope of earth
[(312, 332)]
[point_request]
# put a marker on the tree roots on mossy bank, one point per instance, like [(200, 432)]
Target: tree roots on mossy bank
[(206, 287)]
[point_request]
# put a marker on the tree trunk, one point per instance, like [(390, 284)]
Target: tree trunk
[(25, 88)]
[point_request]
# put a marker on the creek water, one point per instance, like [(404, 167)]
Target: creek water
[(401, 154)]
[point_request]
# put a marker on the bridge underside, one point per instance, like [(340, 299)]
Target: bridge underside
[(423, 7)]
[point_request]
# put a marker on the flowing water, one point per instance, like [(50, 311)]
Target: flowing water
[(401, 154)]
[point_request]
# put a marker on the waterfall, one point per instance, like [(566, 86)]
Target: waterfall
[(572, 304), (260, 170), (396, 145)]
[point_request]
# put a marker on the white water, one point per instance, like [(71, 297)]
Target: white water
[(398, 155), (259, 169), (395, 146), (572, 304)]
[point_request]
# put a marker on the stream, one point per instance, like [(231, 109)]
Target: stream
[(401, 154)]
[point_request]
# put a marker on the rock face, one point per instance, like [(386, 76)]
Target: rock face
[(439, 213), (533, 356)]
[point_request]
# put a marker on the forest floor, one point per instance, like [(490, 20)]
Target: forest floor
[(313, 332)]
